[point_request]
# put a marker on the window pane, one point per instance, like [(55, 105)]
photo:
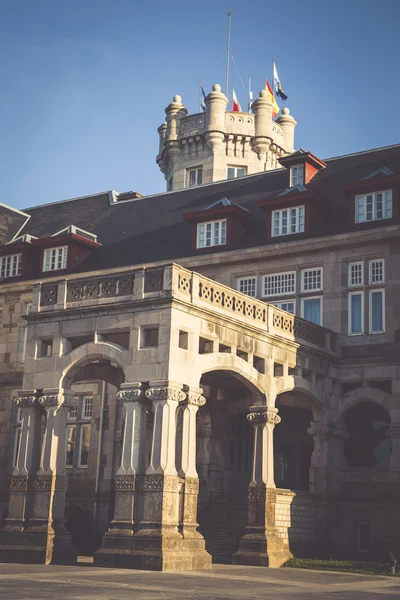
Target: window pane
[(376, 311), (241, 171), (247, 286), (312, 310), (70, 443), (199, 176), (223, 232), (312, 279), (231, 173), (281, 283), (84, 446), (356, 313), (87, 407), (388, 204), (376, 271)]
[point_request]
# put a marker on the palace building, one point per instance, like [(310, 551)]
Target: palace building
[(211, 373)]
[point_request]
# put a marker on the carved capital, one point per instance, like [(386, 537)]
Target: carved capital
[(43, 483), (133, 395), (58, 400), (327, 430), (257, 494), (393, 431), (19, 483), (196, 399), (260, 416), (125, 483), (25, 401), (166, 393)]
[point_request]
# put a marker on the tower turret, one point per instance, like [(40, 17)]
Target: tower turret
[(221, 144)]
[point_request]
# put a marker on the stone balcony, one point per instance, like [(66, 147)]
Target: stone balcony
[(172, 282)]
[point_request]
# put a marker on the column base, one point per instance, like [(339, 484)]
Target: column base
[(153, 552), (37, 545), (261, 547)]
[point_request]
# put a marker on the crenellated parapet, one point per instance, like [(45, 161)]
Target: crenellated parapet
[(218, 143)]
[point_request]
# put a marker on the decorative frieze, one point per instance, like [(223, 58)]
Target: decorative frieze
[(130, 395), (43, 483), (48, 294), (153, 281), (100, 287), (58, 400), (159, 483), (264, 416), (125, 483), (19, 483), (256, 494), (25, 401), (166, 393)]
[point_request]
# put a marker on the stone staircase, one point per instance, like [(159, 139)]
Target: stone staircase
[(223, 523)]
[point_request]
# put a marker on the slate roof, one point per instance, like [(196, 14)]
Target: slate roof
[(11, 222), (152, 228)]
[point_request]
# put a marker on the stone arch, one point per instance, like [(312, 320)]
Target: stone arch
[(300, 385), (367, 394), (88, 354), (238, 367)]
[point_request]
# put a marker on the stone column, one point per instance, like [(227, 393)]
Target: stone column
[(327, 458), (26, 464), (261, 544), (50, 540), (393, 433), (187, 468)]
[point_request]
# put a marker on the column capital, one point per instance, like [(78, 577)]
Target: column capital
[(131, 392), (58, 398), (263, 414), (327, 430), (195, 397), (393, 430), (165, 390), (26, 398)]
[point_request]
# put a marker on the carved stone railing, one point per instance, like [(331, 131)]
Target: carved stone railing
[(100, 287)]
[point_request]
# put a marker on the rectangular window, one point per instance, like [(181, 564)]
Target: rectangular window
[(194, 177), (356, 313), (211, 234), (72, 413), (311, 280), (355, 274), (55, 258), (287, 221), (296, 175), (233, 172), (10, 266), (84, 442), (373, 207), (288, 305), (377, 311), (247, 285), (70, 445), (280, 284), (311, 310), (87, 404), (377, 271), (149, 337)]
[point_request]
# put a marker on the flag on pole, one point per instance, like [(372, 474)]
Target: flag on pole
[(276, 84), (235, 102), (275, 105), (203, 99)]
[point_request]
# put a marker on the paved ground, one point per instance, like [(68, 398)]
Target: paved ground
[(224, 582)]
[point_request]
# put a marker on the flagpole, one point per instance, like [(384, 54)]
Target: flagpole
[(250, 95), (272, 79), (200, 96), (228, 54)]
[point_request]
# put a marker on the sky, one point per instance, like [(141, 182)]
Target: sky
[(84, 83)]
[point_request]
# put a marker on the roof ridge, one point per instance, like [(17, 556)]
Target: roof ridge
[(362, 152)]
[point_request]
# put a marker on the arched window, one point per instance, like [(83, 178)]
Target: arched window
[(367, 445)]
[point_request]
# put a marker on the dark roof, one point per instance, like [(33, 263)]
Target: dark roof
[(11, 222), (152, 228)]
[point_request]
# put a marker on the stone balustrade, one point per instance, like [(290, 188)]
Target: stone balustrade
[(173, 281)]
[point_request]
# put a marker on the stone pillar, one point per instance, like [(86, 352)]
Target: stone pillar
[(215, 103), (187, 467), (327, 458), (50, 541), (261, 544), (393, 433), (11, 538), (128, 480), (288, 124), (262, 109)]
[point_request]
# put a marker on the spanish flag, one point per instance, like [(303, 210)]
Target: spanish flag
[(276, 108)]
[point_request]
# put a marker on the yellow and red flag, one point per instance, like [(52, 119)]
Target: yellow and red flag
[(276, 108)]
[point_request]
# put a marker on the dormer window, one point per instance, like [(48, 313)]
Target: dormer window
[(194, 177), (55, 259), (287, 221), (10, 266), (212, 233), (296, 175), (373, 207)]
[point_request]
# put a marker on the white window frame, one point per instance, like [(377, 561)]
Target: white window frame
[(247, 281), (349, 276), (87, 408), (299, 226), (349, 320), (362, 210), (295, 177), (283, 283), (371, 292), (196, 171), (81, 430), (371, 262), (10, 265), (312, 289), (219, 240), (75, 427), (61, 255), (235, 171), (279, 305), (321, 304)]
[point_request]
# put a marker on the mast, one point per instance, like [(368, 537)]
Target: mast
[(228, 55)]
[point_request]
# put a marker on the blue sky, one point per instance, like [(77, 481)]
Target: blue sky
[(84, 83)]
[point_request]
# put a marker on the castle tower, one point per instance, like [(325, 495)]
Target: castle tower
[(220, 144)]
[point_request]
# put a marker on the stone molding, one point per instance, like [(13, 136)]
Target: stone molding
[(43, 483), (125, 483), (58, 400), (160, 483), (196, 399), (130, 395), (264, 416), (327, 430), (25, 401), (166, 393), (191, 485), (256, 494), (19, 483)]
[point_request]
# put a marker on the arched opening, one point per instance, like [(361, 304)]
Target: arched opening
[(293, 446), (93, 449), (224, 461), (367, 445)]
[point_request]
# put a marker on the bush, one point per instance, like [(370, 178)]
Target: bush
[(349, 566)]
